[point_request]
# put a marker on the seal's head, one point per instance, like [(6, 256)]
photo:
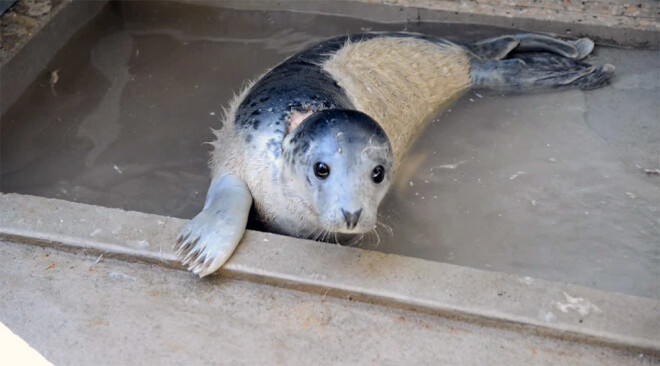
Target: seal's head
[(338, 164)]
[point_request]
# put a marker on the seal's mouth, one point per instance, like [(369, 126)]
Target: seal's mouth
[(350, 231), (349, 227)]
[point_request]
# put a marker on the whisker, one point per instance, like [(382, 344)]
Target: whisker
[(315, 234), (390, 231), (377, 237), (365, 240), (355, 240)]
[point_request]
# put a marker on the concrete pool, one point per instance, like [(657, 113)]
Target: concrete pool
[(550, 185), (515, 217)]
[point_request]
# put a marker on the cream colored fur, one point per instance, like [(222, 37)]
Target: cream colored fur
[(227, 155), (402, 83)]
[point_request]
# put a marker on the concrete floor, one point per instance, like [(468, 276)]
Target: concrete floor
[(107, 312)]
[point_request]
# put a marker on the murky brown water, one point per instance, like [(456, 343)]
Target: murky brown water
[(550, 186)]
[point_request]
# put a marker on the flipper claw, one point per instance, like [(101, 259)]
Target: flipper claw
[(209, 239)]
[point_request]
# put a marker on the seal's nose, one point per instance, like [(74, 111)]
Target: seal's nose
[(351, 218)]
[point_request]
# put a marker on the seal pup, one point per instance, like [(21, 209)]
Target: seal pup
[(313, 143)]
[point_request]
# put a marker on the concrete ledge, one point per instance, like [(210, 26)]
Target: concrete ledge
[(607, 22), (78, 309), (29, 56), (564, 311)]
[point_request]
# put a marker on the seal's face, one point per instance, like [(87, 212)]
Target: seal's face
[(339, 164)]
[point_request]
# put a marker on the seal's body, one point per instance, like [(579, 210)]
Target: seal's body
[(313, 143)]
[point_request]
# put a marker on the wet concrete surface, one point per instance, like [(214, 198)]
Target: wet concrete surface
[(97, 306), (551, 186)]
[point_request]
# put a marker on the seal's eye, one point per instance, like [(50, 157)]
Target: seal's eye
[(378, 174), (321, 170)]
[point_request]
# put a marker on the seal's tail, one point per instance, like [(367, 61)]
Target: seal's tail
[(527, 62)]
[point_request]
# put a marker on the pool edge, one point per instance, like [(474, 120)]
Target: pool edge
[(490, 298)]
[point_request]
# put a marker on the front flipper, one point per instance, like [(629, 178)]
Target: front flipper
[(210, 238)]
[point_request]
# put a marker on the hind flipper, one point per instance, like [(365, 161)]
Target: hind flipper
[(210, 238), (539, 71), (494, 48), (576, 50), (499, 47)]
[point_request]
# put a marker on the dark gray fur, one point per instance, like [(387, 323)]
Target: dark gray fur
[(511, 63), (355, 126), (300, 83)]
